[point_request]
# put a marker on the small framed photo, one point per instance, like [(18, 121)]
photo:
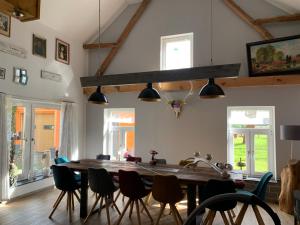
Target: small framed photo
[(62, 52), (20, 76), (5, 24), (39, 46), (2, 73)]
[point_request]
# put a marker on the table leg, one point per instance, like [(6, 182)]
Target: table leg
[(191, 198), (84, 195)]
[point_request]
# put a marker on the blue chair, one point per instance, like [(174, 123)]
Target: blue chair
[(64, 159), (65, 181)]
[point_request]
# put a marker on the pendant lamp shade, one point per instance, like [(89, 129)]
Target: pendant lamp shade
[(211, 90), (98, 97), (149, 94)]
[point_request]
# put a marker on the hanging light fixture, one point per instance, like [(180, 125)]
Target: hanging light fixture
[(149, 94), (211, 89), (98, 97)]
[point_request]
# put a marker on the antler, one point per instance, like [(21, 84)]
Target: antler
[(190, 93)]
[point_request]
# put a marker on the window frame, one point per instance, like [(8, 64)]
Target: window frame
[(250, 132), (172, 38)]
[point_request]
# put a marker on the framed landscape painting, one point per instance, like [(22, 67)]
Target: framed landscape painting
[(274, 57), (5, 22)]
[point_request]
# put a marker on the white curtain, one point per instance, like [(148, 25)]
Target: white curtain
[(68, 141), (4, 152)]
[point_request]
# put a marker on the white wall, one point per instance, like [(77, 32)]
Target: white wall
[(37, 88), (202, 126)]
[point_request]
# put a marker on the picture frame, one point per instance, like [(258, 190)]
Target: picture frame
[(20, 76), (39, 46), (2, 73), (280, 56), (5, 24), (62, 51)]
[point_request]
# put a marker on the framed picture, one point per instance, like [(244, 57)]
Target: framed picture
[(2, 73), (62, 52), (20, 76), (5, 24), (39, 46), (274, 57)]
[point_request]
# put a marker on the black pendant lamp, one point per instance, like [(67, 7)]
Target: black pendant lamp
[(211, 89), (149, 94), (98, 97)]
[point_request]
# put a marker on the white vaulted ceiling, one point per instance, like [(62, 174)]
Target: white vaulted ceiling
[(79, 18)]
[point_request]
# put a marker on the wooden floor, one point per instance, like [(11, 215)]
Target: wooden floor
[(34, 210)]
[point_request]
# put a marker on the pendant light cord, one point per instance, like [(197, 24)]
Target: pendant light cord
[(211, 32), (99, 30)]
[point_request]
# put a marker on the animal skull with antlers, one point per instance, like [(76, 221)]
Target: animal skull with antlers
[(177, 104)]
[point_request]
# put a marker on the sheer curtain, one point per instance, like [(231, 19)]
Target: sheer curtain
[(68, 142), (4, 158)]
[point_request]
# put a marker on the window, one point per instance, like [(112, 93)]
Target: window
[(119, 132), (34, 130), (177, 51), (251, 139)]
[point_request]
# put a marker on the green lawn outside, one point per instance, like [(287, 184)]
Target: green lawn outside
[(261, 152)]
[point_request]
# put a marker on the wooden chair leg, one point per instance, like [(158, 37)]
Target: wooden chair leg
[(174, 215), (177, 213), (72, 198), (77, 197), (232, 212), (138, 211), (123, 212), (101, 203), (162, 208), (107, 209), (117, 196), (212, 217), (131, 208), (225, 220), (70, 206), (241, 215), (230, 218), (60, 198), (114, 205), (258, 216), (92, 209), (147, 211), (207, 217)]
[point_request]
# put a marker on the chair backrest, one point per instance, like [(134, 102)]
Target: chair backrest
[(133, 159), (100, 181), (261, 187), (64, 178), (103, 157), (131, 184), (161, 161), (61, 159), (217, 187), (166, 189)]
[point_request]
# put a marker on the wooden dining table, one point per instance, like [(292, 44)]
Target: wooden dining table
[(190, 177)]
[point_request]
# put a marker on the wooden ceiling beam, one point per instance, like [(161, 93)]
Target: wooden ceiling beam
[(224, 82), (102, 45), (266, 35), (278, 19), (135, 18)]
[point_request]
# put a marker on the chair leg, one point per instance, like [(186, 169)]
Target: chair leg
[(116, 207), (123, 212), (107, 209), (138, 211), (77, 197), (225, 220), (70, 206), (207, 217), (72, 198), (174, 215), (59, 198), (212, 217), (131, 208), (162, 208), (147, 211), (230, 218), (241, 215), (258, 216), (91, 211), (117, 196), (101, 203), (232, 212), (177, 213)]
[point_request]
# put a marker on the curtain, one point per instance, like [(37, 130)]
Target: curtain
[(4, 144), (68, 146)]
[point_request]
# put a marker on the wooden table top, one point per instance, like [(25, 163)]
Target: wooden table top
[(185, 175)]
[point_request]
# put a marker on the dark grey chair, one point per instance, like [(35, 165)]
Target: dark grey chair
[(103, 157)]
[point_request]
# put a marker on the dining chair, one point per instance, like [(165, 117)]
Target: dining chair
[(133, 159), (103, 157), (161, 161), (166, 190), (66, 183), (132, 186), (101, 183), (213, 188), (259, 191), (64, 159)]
